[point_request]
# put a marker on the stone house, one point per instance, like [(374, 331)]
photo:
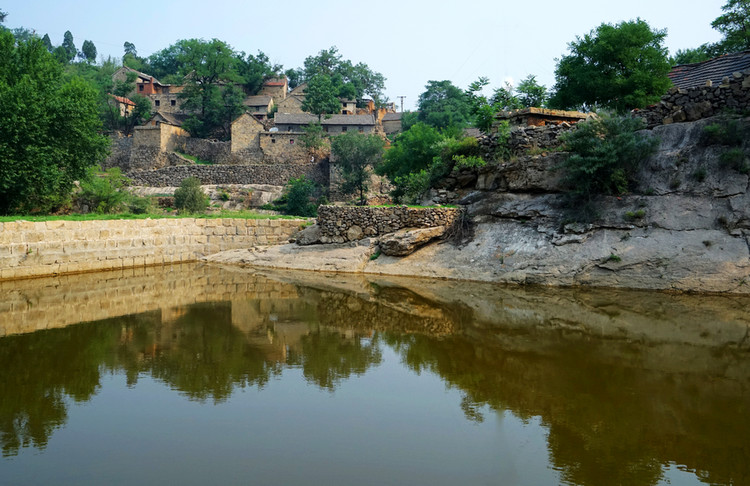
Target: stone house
[(333, 124), (391, 123), (246, 132), (124, 105), (708, 73), (276, 88), (348, 107), (292, 104), (258, 106), (539, 117)]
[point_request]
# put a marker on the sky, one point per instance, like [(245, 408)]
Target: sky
[(409, 41)]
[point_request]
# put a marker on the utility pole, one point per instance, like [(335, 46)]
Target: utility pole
[(402, 102)]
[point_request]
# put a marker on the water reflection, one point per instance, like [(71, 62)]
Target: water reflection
[(625, 383)]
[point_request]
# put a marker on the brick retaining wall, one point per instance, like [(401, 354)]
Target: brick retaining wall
[(30, 249)]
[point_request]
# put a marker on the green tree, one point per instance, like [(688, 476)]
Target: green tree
[(531, 93), (443, 105), (504, 98), (357, 154), (320, 97), (734, 25), (47, 42), (412, 151), (621, 66), (254, 70), (88, 49), (189, 197), (50, 132), (299, 197), (69, 46), (315, 141), (2, 16), (348, 80), (690, 56)]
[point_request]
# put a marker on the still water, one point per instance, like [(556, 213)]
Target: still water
[(199, 374)]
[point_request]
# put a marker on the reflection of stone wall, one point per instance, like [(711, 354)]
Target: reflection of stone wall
[(275, 175), (60, 247), (337, 221), (34, 304)]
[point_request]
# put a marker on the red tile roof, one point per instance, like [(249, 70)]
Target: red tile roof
[(123, 100)]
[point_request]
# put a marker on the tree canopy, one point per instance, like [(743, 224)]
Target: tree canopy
[(357, 154), (621, 66), (50, 127), (734, 24), (320, 96), (443, 105)]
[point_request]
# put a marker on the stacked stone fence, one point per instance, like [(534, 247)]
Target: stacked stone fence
[(209, 150), (680, 104), (347, 223), (525, 138), (30, 249), (275, 175)]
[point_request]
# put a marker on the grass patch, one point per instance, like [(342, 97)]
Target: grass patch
[(105, 217), (194, 159)]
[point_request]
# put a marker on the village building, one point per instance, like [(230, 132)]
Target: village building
[(124, 105), (391, 123), (708, 73), (276, 88), (258, 106), (539, 117), (332, 124)]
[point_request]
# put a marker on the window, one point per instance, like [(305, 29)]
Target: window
[(289, 129), (157, 102), (140, 87), (173, 102), (291, 141), (343, 129), (361, 129), (326, 129), (273, 140)]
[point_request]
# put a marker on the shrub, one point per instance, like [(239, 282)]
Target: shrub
[(299, 195), (725, 132), (103, 192), (605, 155), (735, 158), (189, 197), (411, 187), (470, 162)]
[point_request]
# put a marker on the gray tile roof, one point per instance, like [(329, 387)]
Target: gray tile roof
[(307, 118), (692, 75), (260, 100), (392, 116)]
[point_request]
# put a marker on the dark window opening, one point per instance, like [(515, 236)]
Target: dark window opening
[(343, 129), (173, 102), (140, 87), (291, 141), (273, 140), (157, 102), (361, 129)]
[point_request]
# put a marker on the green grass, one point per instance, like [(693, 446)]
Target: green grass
[(104, 217), (195, 159)]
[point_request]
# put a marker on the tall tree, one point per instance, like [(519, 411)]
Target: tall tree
[(47, 42), (734, 24), (320, 97), (69, 46), (531, 93), (443, 105), (88, 49), (357, 154), (349, 80), (254, 70), (50, 128), (621, 66)]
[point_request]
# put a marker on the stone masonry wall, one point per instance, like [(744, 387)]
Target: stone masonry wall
[(275, 175), (30, 249), (347, 223), (210, 150), (680, 105)]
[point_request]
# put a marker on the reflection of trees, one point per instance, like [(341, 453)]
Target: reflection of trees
[(327, 357), (608, 423), (67, 363)]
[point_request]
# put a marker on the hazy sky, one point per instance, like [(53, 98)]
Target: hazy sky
[(409, 42)]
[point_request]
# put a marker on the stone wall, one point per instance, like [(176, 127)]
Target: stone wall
[(29, 249), (209, 150), (283, 148), (119, 155), (348, 223), (275, 175), (680, 105)]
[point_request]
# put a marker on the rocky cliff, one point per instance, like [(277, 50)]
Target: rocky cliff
[(685, 226)]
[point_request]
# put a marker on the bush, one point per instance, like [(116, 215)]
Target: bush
[(411, 187), (725, 132), (189, 197), (605, 155), (299, 195), (103, 192), (736, 159)]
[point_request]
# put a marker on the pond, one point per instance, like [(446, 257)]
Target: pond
[(202, 374)]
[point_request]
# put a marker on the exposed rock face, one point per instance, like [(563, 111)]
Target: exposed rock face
[(686, 227), (407, 241)]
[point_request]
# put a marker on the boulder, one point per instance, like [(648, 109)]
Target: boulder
[(407, 241), (308, 236)]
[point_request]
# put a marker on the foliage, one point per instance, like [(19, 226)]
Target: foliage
[(411, 187), (50, 128), (189, 197), (605, 154), (299, 197), (252, 71), (443, 105), (412, 151), (504, 99), (531, 93), (725, 132), (621, 66), (690, 56), (69, 46), (103, 192), (736, 159), (348, 80), (315, 141), (468, 162), (357, 154), (88, 49), (734, 24), (320, 97)]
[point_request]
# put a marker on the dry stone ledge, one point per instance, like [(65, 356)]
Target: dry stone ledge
[(339, 224), (406, 241)]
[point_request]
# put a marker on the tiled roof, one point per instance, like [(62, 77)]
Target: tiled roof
[(392, 117), (307, 118), (260, 100), (172, 118), (275, 82), (124, 101), (573, 115), (692, 75)]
